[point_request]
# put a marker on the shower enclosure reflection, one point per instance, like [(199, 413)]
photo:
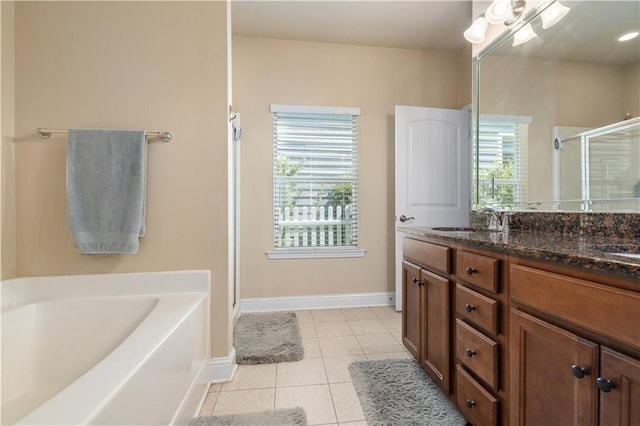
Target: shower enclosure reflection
[(599, 169)]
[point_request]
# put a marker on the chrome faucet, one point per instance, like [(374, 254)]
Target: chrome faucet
[(495, 223)]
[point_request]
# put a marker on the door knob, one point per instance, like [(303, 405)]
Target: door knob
[(403, 218)]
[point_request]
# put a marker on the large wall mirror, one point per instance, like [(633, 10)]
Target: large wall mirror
[(557, 115)]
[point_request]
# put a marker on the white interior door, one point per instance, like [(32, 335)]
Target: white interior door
[(433, 169)]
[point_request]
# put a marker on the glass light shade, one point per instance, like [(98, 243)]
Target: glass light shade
[(628, 36), (475, 33), (498, 11), (553, 14), (523, 35)]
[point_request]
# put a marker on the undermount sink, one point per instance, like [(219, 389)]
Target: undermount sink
[(462, 229)]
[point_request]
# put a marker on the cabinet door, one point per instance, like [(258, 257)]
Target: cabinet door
[(545, 364), (619, 384), (436, 327), (411, 308)]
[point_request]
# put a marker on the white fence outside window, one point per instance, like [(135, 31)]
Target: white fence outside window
[(316, 226)]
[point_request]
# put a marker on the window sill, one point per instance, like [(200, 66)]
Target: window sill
[(315, 253)]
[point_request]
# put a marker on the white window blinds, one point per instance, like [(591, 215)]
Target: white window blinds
[(502, 160), (315, 170)]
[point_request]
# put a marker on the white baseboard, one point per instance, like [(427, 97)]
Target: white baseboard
[(222, 369), (323, 301)]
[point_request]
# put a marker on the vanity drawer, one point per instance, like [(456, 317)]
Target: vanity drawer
[(473, 401), (478, 353), (606, 310), (479, 270), (428, 255), (477, 309)]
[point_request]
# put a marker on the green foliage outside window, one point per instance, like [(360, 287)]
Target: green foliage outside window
[(289, 192), (492, 189), (340, 195)]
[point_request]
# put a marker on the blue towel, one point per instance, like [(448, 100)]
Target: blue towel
[(106, 189)]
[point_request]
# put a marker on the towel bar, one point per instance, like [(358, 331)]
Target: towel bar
[(164, 136)]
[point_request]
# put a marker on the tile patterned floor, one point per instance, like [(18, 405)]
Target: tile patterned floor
[(320, 383)]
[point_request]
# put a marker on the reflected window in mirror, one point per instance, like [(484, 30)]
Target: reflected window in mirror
[(502, 160)]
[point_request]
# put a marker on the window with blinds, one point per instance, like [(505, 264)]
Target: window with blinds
[(502, 160), (315, 185)]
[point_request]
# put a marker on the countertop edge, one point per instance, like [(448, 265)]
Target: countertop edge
[(503, 243)]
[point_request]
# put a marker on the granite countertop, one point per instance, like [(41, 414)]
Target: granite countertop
[(590, 252)]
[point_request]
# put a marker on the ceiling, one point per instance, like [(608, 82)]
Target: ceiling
[(421, 24), (437, 25), (586, 34)]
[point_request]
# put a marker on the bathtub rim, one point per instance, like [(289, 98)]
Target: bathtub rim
[(194, 285), (16, 292)]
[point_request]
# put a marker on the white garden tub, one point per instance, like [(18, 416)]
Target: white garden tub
[(116, 349)]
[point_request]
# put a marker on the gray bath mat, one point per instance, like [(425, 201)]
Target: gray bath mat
[(289, 416), (399, 392), (267, 338)]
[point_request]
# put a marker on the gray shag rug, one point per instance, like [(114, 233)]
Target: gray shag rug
[(399, 392), (289, 416), (267, 338)]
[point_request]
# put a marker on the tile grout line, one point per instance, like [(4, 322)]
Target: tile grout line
[(275, 387), (333, 404), (216, 402)]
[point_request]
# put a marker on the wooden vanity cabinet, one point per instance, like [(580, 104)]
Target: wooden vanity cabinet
[(426, 305), (451, 324), (519, 341), (543, 384), (436, 314), (562, 364), (412, 301), (480, 339), (619, 405)]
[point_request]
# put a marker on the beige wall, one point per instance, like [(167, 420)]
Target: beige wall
[(632, 89), (147, 65), (375, 79), (7, 152), (553, 93), (465, 76)]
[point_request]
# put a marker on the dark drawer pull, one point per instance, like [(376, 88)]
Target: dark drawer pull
[(578, 372), (469, 308), (605, 385), (470, 403), (471, 270), (470, 353)]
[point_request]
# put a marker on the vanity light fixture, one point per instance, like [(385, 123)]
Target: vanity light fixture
[(475, 33), (498, 12), (629, 35), (553, 14), (523, 35)]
